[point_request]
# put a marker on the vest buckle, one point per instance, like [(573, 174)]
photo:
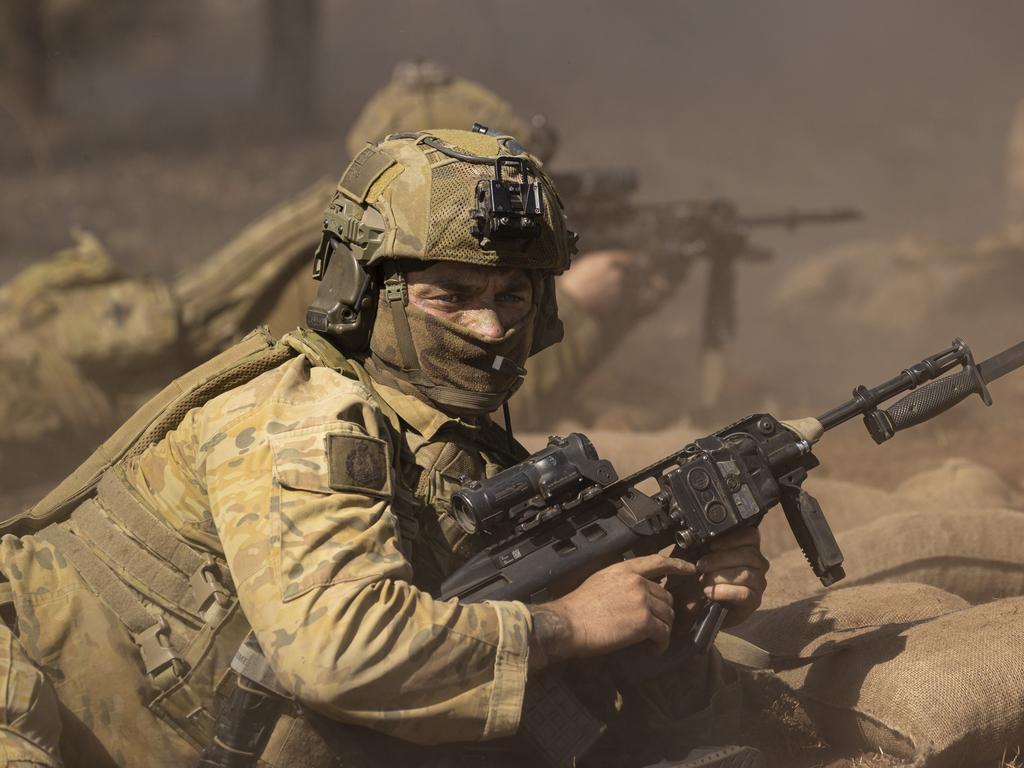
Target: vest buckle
[(157, 654)]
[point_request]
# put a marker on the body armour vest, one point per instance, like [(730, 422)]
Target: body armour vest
[(136, 625)]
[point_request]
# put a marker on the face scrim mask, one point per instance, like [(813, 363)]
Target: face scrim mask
[(447, 363)]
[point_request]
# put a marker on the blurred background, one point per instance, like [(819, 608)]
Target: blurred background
[(164, 128), (902, 108)]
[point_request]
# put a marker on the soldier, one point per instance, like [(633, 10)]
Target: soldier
[(308, 503)]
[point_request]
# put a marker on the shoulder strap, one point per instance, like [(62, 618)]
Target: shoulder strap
[(320, 351), (253, 355)]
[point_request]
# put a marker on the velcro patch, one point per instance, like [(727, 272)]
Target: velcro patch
[(359, 463), (368, 166)]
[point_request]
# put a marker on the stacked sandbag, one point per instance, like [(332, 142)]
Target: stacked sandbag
[(905, 669), (846, 505), (959, 483), (975, 554), (804, 629)]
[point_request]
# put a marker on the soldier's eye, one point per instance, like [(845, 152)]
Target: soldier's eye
[(450, 298)]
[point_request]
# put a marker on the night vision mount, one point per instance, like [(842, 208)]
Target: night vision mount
[(508, 210)]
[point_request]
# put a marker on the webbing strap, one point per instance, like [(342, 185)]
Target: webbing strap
[(161, 654), (742, 652), (397, 294), (147, 528), (389, 413), (100, 579), (460, 398), (123, 554), (6, 592), (320, 351)]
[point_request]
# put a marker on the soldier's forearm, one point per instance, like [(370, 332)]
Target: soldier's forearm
[(551, 636)]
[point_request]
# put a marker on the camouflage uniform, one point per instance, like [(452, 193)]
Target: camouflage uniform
[(301, 500), (291, 482)]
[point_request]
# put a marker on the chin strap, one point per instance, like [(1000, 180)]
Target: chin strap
[(396, 293), (508, 428)]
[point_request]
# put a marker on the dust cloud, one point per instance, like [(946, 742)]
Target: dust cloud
[(162, 138)]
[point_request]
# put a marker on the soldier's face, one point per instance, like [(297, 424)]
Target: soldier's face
[(486, 300)]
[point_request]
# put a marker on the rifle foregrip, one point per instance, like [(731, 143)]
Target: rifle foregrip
[(931, 400)]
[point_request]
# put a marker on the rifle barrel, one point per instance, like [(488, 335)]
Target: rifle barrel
[(794, 218)]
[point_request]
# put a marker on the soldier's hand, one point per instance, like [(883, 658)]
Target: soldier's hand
[(614, 279), (618, 606), (732, 573)]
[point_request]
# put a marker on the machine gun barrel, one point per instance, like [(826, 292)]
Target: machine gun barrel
[(794, 218)]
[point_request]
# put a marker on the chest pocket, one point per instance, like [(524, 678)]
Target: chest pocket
[(424, 509)]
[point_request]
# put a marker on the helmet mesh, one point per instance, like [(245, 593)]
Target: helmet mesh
[(453, 188)]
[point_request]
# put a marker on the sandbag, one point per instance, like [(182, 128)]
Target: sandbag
[(811, 627), (846, 505), (944, 691), (975, 554), (960, 483)]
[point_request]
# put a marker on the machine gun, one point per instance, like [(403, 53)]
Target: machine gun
[(601, 205), (563, 513)]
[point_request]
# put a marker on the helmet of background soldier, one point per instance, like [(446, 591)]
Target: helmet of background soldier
[(439, 195), (423, 93)]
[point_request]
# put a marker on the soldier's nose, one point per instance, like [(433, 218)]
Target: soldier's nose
[(487, 323)]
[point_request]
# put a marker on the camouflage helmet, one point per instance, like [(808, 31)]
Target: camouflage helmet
[(424, 93), (438, 195)]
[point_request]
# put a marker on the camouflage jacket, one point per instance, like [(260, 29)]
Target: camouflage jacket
[(297, 472), (304, 506)]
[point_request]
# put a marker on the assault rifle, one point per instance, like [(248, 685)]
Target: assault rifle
[(601, 206), (563, 513)]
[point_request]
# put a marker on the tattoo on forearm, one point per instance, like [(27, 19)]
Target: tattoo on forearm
[(550, 636)]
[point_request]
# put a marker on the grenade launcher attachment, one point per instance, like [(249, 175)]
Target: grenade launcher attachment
[(563, 513)]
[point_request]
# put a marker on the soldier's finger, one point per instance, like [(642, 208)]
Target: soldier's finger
[(662, 611), (746, 556), (731, 593), (656, 566), (659, 593), (741, 538), (744, 577), (659, 632)]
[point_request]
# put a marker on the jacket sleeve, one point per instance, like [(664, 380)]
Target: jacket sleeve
[(301, 497)]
